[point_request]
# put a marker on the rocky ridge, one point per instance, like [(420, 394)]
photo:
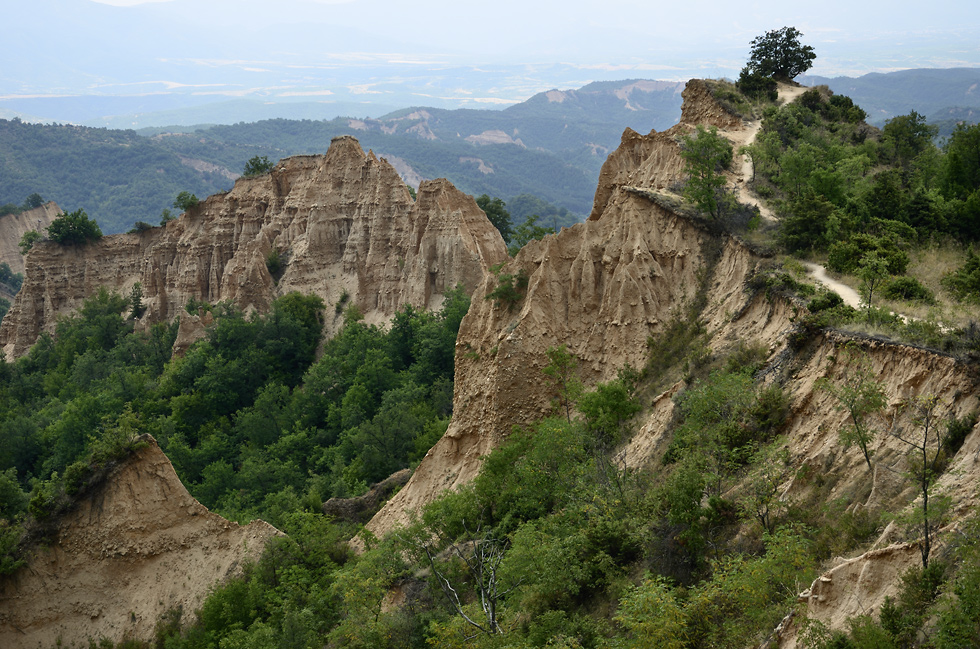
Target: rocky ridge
[(603, 287), (134, 549), (343, 226)]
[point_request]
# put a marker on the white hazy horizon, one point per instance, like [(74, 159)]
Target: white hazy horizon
[(381, 53)]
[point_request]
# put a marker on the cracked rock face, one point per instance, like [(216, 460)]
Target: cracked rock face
[(137, 547), (342, 224), (14, 226), (601, 288)]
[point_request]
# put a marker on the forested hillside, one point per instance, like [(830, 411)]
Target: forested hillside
[(932, 93), (705, 537), (117, 177)]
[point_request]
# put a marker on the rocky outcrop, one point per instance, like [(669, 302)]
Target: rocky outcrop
[(137, 547), (342, 224), (14, 226), (361, 508), (653, 161), (601, 288)]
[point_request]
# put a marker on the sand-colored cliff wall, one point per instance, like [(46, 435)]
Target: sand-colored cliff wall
[(137, 547), (342, 223), (601, 288), (13, 227)]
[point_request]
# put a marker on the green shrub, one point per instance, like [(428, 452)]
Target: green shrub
[(672, 346), (964, 282), (10, 558), (757, 86), (845, 256), (908, 289), (74, 228), (510, 289), (185, 201), (957, 430), (823, 301), (28, 240), (194, 306), (44, 498), (76, 474), (256, 166), (273, 263), (140, 226), (606, 410), (341, 302)]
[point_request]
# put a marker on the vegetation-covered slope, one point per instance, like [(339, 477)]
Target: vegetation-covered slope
[(928, 91), (117, 177), (757, 462)]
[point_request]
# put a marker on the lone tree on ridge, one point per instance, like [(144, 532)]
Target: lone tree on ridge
[(779, 55)]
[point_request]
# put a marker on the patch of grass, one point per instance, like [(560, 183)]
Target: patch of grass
[(731, 99)]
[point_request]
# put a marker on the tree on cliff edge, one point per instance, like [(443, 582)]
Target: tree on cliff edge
[(779, 55), (498, 215), (706, 155), (74, 228)]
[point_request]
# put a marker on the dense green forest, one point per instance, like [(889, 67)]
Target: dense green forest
[(555, 543), (117, 177)]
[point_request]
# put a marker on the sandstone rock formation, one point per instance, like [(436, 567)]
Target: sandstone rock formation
[(136, 548), (13, 227), (342, 224), (602, 287), (653, 161)]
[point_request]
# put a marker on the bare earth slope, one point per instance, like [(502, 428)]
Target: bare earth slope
[(136, 548), (343, 224), (602, 287)]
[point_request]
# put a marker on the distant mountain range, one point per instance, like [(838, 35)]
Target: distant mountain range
[(938, 94), (540, 156), (546, 151)]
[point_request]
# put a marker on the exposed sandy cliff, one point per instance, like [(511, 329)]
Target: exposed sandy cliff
[(341, 223), (136, 548), (602, 287), (13, 227)]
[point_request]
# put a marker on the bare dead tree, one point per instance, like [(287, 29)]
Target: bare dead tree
[(926, 462), (481, 555)]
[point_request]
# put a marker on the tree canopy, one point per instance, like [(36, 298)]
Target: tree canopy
[(256, 166), (496, 211), (706, 154), (780, 55), (70, 228), (185, 201)]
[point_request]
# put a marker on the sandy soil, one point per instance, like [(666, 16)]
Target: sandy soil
[(819, 273)]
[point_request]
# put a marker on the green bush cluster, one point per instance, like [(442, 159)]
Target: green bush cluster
[(964, 282), (510, 289), (253, 426), (851, 191), (74, 228)]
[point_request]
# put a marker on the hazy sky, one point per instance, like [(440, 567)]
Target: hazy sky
[(485, 53), (630, 33)]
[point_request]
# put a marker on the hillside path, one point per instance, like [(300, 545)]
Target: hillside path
[(747, 135), (819, 273)]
